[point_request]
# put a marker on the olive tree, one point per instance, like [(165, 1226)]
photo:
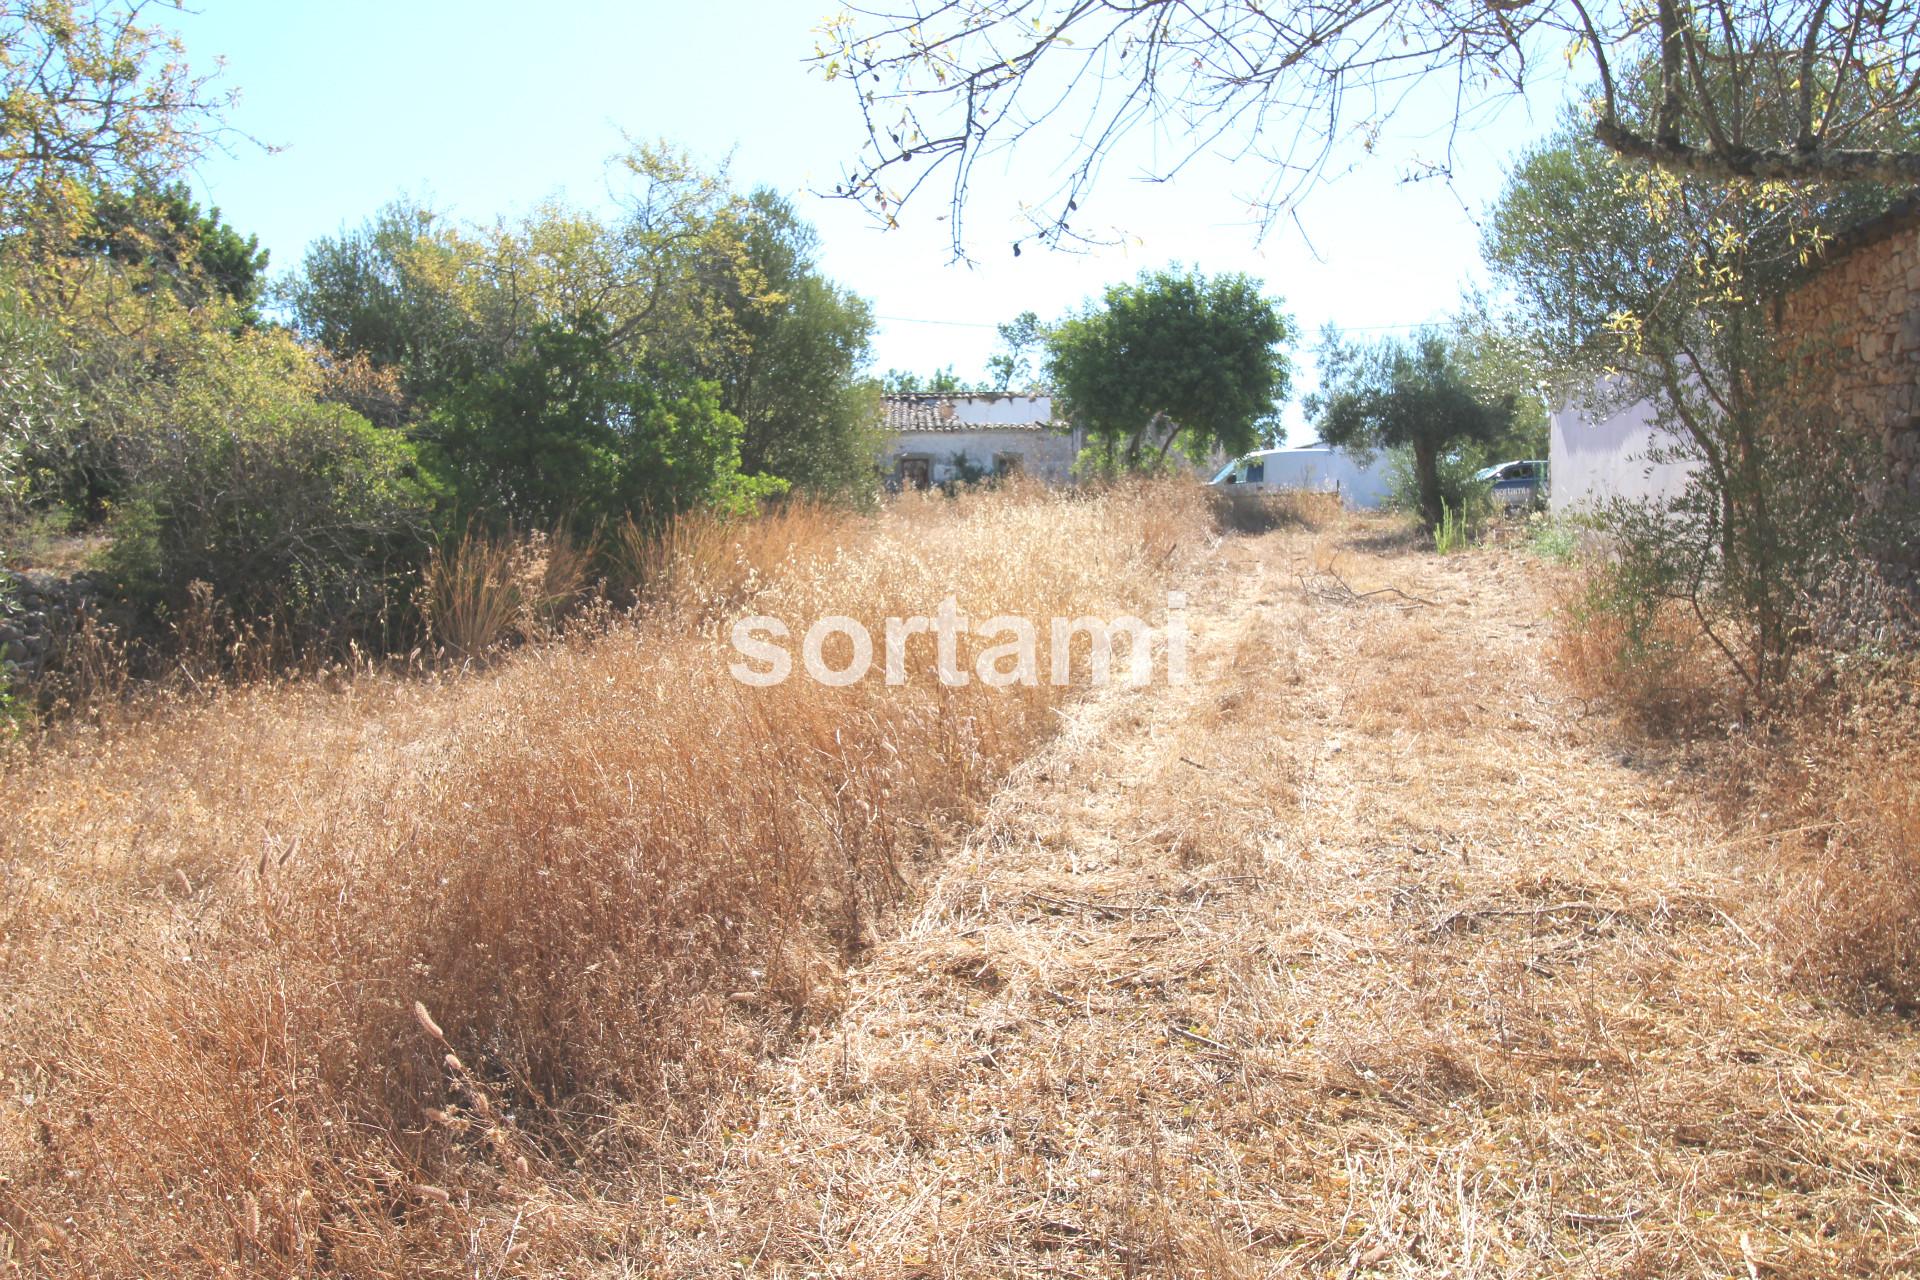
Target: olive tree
[(1417, 394)]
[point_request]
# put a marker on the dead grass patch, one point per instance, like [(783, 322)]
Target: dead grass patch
[(385, 980)]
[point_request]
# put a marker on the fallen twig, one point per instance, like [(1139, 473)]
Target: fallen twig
[(1343, 593), (1596, 910), (1207, 1042)]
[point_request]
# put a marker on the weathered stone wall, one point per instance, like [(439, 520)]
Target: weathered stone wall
[(1866, 303), (36, 610)]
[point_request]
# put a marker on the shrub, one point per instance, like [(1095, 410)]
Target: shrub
[(1554, 538), (287, 508), (1470, 501), (565, 429)]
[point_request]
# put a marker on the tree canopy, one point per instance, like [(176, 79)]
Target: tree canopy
[(93, 97), (1174, 357), (1415, 394), (943, 84), (694, 324), (1641, 285)]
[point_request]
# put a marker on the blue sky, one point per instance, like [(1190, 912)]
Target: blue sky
[(486, 108)]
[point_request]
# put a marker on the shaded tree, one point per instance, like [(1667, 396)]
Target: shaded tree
[(1174, 357), (1415, 394), (797, 377)]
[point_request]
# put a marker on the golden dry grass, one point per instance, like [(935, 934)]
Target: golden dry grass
[(610, 877), (1372, 951), (1369, 954)]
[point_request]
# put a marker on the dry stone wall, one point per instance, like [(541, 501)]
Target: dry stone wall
[(1866, 302)]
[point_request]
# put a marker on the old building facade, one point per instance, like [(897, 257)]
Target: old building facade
[(939, 438)]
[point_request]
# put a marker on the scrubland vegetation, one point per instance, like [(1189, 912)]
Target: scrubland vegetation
[(394, 881), (342, 977)]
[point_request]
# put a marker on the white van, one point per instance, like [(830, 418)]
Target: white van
[(1314, 466)]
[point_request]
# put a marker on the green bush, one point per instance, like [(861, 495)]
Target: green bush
[(566, 429), (1451, 534), (288, 509), (1469, 502), (1553, 537)]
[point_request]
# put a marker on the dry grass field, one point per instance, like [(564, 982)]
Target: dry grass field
[(1371, 951)]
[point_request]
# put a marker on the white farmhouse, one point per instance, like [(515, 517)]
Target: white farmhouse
[(936, 437)]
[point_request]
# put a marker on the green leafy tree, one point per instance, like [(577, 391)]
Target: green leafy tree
[(166, 237), (1016, 365), (386, 292), (566, 430), (797, 380), (689, 276), (1173, 358), (1414, 394)]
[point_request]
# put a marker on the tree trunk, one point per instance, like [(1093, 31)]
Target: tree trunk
[(1426, 471)]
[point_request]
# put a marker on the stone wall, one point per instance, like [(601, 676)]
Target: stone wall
[(37, 610), (1866, 302)]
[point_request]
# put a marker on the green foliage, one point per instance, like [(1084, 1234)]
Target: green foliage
[(1414, 395), (1452, 533), (96, 99), (565, 430), (1503, 363), (286, 508), (1470, 500), (550, 333), (1660, 288), (386, 291), (896, 382), (35, 402), (1621, 269), (1015, 366), (796, 380), (1553, 538), (1175, 357), (169, 242)]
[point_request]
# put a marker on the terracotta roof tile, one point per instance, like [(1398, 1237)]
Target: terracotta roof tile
[(943, 411)]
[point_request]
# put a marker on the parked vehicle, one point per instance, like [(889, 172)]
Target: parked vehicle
[(1519, 484), (1315, 467)]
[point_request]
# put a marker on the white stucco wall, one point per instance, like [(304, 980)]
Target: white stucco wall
[(1597, 454), (1045, 455)]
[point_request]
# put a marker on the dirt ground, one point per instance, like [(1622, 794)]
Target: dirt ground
[(1367, 952)]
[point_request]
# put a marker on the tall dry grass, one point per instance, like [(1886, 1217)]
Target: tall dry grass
[(355, 981), (1824, 781)]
